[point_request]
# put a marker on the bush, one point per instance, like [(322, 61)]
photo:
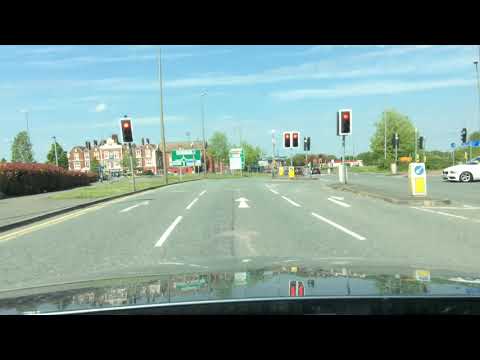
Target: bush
[(148, 172), (26, 179)]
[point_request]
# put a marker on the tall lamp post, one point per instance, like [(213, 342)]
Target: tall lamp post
[(478, 86), (162, 122), (203, 134)]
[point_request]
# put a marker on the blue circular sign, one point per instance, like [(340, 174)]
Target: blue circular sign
[(419, 169), (452, 145)]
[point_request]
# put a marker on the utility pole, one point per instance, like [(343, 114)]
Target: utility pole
[(273, 153), (203, 135), (415, 159), (162, 122), (55, 146), (478, 86), (385, 136)]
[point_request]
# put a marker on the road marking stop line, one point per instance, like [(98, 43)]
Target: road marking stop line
[(339, 227)]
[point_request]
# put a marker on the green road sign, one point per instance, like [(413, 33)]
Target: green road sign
[(190, 157)]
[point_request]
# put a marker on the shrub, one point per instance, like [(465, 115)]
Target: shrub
[(148, 172), (26, 179)]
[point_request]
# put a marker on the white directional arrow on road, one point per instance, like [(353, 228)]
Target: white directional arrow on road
[(243, 203), (134, 206)]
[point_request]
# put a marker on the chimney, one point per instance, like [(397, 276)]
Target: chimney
[(95, 143), (148, 141), (115, 138), (143, 141)]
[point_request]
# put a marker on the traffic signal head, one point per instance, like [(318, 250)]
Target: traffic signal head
[(295, 137), (301, 289), (464, 135), (286, 140), (344, 122), (420, 142), (292, 288), (127, 134), (308, 143), (304, 144)]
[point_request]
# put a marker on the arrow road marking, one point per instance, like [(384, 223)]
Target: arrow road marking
[(191, 204), (338, 202), (242, 203), (339, 227), (134, 206), (169, 230), (291, 201)]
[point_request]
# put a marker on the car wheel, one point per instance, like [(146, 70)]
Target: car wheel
[(466, 177)]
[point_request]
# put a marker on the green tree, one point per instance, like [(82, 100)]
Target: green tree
[(396, 123), (126, 161), (474, 136), (22, 148), (368, 158), (218, 147), (95, 166), (62, 156), (252, 154), (3, 161)]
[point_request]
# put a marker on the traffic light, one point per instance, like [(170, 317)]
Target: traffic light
[(420, 143), (344, 122), (395, 140), (286, 140), (304, 144), (308, 143), (126, 125), (464, 135), (301, 289), (295, 137)]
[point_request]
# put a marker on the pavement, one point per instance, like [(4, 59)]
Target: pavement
[(204, 223)]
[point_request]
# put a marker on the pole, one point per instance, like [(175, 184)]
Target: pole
[(273, 153), (396, 148), (55, 146), (162, 122), (478, 85), (131, 166), (385, 136), (203, 136), (343, 161), (415, 159), (26, 118)]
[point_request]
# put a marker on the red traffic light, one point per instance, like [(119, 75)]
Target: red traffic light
[(301, 289), (287, 136), (295, 135), (293, 288), (346, 116), (126, 124)]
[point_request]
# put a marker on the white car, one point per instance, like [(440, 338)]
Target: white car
[(464, 172)]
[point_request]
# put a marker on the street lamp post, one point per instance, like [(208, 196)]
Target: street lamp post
[(415, 159), (162, 122), (203, 135), (273, 153), (385, 137), (478, 86), (55, 146)]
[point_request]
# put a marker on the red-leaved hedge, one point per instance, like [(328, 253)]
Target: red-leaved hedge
[(26, 179)]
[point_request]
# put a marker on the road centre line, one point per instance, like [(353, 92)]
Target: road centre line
[(441, 213), (169, 230), (203, 192), (291, 201), (134, 206), (191, 204), (274, 191), (338, 202), (339, 227)]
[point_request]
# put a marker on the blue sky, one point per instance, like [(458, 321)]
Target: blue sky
[(78, 93)]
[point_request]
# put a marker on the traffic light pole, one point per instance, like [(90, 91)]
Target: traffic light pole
[(162, 122), (344, 170), (131, 166)]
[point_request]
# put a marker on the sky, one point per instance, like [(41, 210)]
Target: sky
[(79, 93)]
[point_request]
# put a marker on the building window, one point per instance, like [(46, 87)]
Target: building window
[(139, 153), (87, 164), (76, 165), (117, 155), (147, 153), (77, 157), (106, 155)]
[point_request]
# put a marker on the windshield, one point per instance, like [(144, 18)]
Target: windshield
[(211, 166)]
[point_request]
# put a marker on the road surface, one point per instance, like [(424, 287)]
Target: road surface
[(202, 223)]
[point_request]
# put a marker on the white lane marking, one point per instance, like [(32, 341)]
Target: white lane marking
[(203, 192), (134, 206), (191, 204), (242, 203), (169, 230), (337, 198), (339, 227), (290, 201), (441, 213), (275, 192), (246, 260), (451, 208), (338, 202)]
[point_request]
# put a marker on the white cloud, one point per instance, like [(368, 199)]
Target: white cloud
[(100, 107), (370, 88)]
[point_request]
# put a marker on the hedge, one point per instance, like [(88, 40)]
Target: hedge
[(26, 179)]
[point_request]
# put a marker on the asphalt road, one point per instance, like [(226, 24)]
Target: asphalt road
[(201, 224)]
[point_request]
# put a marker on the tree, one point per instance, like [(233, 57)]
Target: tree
[(3, 161), (218, 147), (252, 154), (22, 148), (396, 123), (474, 136), (95, 166), (368, 158), (62, 156), (126, 161)]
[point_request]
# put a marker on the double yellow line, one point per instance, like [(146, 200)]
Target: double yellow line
[(17, 233)]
